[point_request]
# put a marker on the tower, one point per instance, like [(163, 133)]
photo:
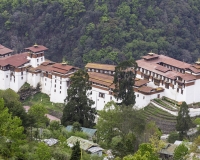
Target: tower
[(36, 54)]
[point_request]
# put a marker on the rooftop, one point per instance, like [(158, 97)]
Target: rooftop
[(140, 82), (49, 66), (89, 131), (168, 149), (101, 66), (84, 144), (4, 50), (101, 78), (155, 66), (36, 48), (15, 60)]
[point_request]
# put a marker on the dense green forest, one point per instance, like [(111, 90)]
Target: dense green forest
[(104, 31)]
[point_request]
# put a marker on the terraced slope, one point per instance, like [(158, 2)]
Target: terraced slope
[(164, 120)]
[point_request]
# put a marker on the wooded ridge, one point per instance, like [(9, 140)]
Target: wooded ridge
[(103, 31)]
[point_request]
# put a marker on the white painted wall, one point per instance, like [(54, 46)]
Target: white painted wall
[(4, 79), (34, 62), (196, 87), (58, 89), (46, 85), (143, 100), (100, 101)]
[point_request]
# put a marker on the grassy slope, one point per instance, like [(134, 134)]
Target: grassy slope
[(53, 108), (164, 120)]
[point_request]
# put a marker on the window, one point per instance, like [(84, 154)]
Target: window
[(60, 92), (60, 87), (60, 82), (14, 80), (45, 79), (6, 76), (143, 97), (137, 95), (111, 98), (41, 59), (90, 92), (55, 85), (54, 90), (22, 73), (68, 83), (167, 85), (177, 89), (37, 60), (21, 77), (181, 91), (45, 84), (158, 96), (102, 95), (55, 80)]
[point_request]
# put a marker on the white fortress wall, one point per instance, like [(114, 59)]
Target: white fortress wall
[(4, 79)]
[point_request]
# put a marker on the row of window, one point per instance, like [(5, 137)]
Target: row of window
[(38, 59), (68, 82), (55, 91), (101, 71), (147, 74)]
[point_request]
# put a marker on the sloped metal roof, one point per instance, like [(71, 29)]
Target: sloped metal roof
[(90, 132), (84, 144)]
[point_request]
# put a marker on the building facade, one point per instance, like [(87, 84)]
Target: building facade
[(31, 67), (156, 76)]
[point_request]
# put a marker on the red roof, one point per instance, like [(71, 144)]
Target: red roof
[(188, 77), (37, 48), (15, 60), (162, 69), (146, 89), (57, 67), (155, 66), (141, 82), (63, 66), (4, 50), (149, 57), (194, 69)]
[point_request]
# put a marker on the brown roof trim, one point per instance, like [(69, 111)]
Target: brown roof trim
[(106, 67)]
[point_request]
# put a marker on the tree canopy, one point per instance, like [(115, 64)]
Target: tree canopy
[(124, 80), (102, 31), (11, 100), (11, 133), (180, 152), (183, 120), (120, 128), (79, 106)]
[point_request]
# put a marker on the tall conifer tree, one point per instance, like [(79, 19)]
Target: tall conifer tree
[(78, 107), (124, 80), (183, 120)]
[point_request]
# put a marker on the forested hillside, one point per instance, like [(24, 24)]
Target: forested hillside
[(104, 31)]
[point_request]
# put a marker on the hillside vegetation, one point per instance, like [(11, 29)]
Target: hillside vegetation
[(104, 31)]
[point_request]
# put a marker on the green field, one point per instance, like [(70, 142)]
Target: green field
[(44, 99)]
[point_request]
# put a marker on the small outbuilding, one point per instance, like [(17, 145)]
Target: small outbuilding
[(85, 145)]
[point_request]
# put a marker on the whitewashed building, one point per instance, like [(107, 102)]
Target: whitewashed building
[(31, 67), (157, 76)]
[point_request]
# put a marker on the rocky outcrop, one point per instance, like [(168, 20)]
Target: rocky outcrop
[(27, 91)]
